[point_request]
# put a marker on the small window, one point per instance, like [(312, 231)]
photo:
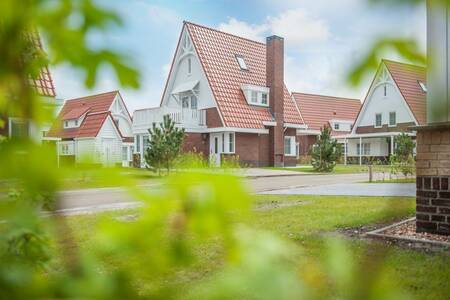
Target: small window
[(193, 102), (289, 145), (76, 122), (66, 124), (241, 63), (254, 97), (189, 66), (185, 102), (231, 142), (392, 118), (264, 98), (366, 148), (378, 120), (223, 142), (336, 126), (423, 86), (385, 90)]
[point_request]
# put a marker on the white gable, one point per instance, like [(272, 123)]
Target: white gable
[(186, 59), (109, 130), (383, 98), (120, 113)]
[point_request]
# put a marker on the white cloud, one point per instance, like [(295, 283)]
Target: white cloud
[(298, 26), (243, 29)]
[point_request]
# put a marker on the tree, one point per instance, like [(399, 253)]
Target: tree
[(404, 147), (164, 144), (325, 152)]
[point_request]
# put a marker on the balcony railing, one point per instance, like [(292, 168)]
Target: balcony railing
[(186, 118)]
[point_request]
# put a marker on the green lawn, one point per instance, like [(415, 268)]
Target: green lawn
[(339, 169), (305, 220)]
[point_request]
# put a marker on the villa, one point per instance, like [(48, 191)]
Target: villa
[(96, 128), (229, 95), (396, 100)]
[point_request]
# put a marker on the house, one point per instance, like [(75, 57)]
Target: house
[(228, 93), (396, 100), (318, 111), (97, 128), (15, 127)]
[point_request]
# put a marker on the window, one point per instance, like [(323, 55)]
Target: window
[(241, 63), (138, 143), (18, 128), (76, 122), (392, 118), (264, 98), (66, 124), (378, 120), (193, 102), (231, 142), (223, 142), (124, 153), (423, 86), (365, 149), (289, 145), (385, 90), (145, 142), (189, 66), (254, 97), (185, 102), (336, 126)]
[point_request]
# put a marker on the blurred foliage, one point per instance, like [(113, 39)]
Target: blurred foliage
[(187, 210)]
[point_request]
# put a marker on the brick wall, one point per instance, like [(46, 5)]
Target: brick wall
[(213, 118), (197, 142), (253, 149), (306, 143), (433, 176)]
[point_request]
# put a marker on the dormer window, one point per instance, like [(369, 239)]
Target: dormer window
[(336, 126), (76, 122), (256, 95), (66, 124), (241, 63), (423, 86)]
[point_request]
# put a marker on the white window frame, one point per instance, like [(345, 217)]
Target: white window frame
[(423, 86), (381, 122), (241, 62), (292, 146), (266, 96), (254, 94), (254, 97), (231, 143), (336, 126), (395, 115)]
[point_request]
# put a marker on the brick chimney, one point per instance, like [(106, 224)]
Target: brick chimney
[(275, 81)]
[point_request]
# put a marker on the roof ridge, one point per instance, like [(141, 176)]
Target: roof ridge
[(322, 95), (402, 63), (94, 95), (223, 32)]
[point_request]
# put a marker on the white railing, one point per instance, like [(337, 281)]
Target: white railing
[(144, 119)]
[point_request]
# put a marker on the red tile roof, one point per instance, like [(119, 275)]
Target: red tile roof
[(318, 110), (407, 78), (217, 53), (43, 83), (97, 107)]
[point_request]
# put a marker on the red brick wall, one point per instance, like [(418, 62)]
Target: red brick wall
[(198, 142), (252, 149), (213, 118), (306, 143)]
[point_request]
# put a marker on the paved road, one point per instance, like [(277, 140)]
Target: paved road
[(355, 189), (94, 200)]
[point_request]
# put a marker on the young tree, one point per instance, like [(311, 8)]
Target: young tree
[(164, 144), (404, 148), (325, 152)]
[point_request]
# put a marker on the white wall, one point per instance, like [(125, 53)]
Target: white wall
[(378, 147), (119, 111), (180, 75), (378, 103)]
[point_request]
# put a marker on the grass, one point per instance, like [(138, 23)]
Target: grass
[(339, 169), (305, 220)]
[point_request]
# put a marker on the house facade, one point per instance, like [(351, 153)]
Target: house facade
[(95, 128), (16, 127), (395, 101), (318, 111), (228, 93)]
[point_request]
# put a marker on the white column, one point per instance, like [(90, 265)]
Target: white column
[(360, 151), (345, 151), (392, 144)]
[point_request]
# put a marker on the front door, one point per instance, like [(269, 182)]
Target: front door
[(215, 147)]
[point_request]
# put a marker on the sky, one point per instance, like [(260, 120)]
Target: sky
[(323, 40)]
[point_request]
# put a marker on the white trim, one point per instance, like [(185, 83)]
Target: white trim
[(297, 126), (270, 123), (222, 129), (389, 119), (378, 134), (308, 132)]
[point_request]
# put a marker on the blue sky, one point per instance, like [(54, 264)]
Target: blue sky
[(324, 38)]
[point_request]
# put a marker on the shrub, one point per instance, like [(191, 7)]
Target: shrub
[(325, 152)]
